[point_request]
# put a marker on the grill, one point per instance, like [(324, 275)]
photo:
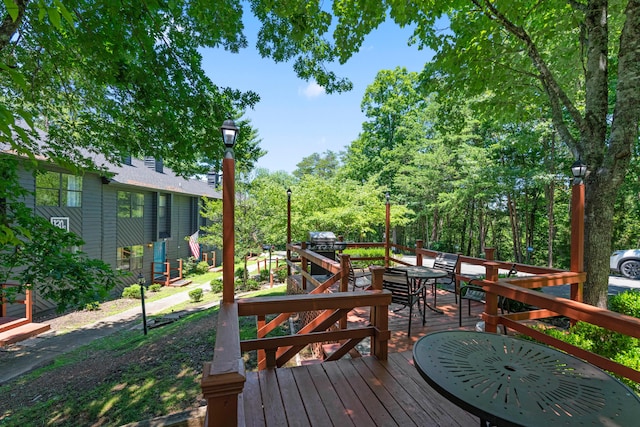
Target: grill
[(323, 243)]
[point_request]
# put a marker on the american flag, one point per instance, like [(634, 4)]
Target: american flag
[(193, 244)]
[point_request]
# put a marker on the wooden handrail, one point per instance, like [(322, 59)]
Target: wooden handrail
[(223, 380)]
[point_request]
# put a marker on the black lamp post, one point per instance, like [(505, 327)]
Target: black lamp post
[(142, 282), (229, 134)]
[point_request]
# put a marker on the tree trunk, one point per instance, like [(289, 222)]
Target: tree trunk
[(515, 232)]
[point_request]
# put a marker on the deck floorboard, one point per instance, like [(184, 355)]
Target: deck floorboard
[(362, 391)]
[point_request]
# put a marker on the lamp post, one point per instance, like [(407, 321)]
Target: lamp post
[(579, 171), (142, 282), (229, 134), (288, 231), (386, 230)]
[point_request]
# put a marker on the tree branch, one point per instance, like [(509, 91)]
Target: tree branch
[(9, 26), (557, 96)]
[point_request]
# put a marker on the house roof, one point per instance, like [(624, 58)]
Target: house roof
[(137, 174)]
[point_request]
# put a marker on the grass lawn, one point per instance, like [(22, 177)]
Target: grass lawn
[(126, 377)]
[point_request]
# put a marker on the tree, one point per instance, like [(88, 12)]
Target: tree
[(321, 165), (578, 60), (119, 78)]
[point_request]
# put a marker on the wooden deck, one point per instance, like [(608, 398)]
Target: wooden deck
[(361, 391)]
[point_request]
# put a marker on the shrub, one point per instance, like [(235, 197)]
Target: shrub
[(251, 285), (216, 285), (156, 287), (627, 302), (189, 266), (196, 294), (264, 275), (240, 272), (92, 306), (132, 291), (202, 267), (281, 274)]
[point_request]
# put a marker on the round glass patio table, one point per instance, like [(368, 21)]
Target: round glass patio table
[(418, 273), (508, 381)]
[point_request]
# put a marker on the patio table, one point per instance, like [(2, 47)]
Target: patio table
[(418, 273), (508, 381)]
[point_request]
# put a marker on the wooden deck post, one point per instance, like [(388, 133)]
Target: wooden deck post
[(419, 244), (223, 380), (344, 282), (379, 317), (491, 305), (304, 265)]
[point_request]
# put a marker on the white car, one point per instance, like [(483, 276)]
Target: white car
[(626, 262)]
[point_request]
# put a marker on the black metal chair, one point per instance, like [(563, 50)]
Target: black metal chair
[(405, 292), (471, 292), (449, 263)]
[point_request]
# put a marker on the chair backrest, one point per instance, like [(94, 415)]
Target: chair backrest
[(446, 262), (397, 282)]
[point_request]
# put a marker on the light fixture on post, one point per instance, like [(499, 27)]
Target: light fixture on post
[(387, 228), (142, 282), (579, 171), (288, 231), (229, 134)]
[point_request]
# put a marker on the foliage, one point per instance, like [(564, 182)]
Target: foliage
[(155, 287), (281, 274), (202, 267), (366, 253), (321, 165), (247, 285), (216, 285), (132, 292), (627, 302), (34, 254), (92, 306), (121, 80), (264, 275), (240, 272), (195, 295)]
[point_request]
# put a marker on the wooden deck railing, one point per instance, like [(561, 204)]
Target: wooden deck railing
[(27, 301), (222, 380), (164, 273)]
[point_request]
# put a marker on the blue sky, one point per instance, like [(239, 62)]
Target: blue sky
[(295, 118)]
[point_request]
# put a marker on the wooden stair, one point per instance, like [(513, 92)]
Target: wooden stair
[(16, 330)]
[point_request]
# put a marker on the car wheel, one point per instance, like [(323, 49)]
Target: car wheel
[(630, 269)]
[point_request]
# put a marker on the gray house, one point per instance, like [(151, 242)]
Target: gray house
[(135, 220)]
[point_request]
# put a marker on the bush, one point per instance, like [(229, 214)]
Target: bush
[(189, 266), (264, 275), (156, 287), (627, 302), (239, 272), (216, 285), (132, 291), (92, 306), (251, 285), (195, 295), (281, 274), (202, 267), (366, 253)]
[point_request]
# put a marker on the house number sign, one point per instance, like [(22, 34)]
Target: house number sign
[(61, 222)]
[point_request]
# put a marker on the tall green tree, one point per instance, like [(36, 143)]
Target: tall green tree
[(580, 60)]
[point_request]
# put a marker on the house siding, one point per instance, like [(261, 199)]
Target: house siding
[(97, 222)]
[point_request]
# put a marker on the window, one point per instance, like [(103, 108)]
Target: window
[(164, 215), (130, 205), (129, 258), (58, 189)]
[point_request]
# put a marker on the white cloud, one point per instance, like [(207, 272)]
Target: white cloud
[(312, 90)]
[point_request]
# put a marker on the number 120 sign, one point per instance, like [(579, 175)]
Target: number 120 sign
[(61, 222)]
